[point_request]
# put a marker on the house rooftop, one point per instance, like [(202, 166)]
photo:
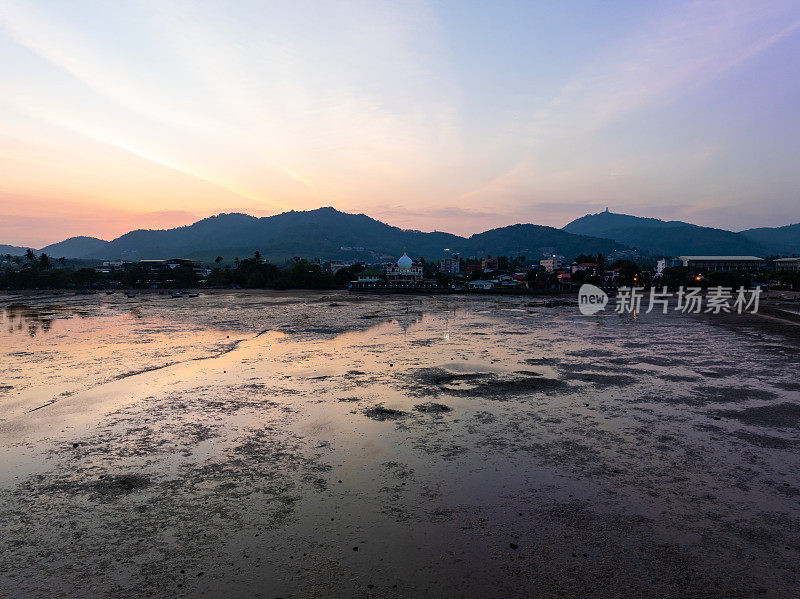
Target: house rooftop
[(722, 258)]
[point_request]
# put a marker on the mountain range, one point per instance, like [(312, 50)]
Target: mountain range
[(325, 233), (330, 234), (674, 238)]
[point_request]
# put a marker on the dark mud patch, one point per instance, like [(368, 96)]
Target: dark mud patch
[(590, 353), (708, 394), (105, 486), (766, 441), (398, 470), (350, 399), (431, 407), (718, 372), (484, 417), (528, 373), (538, 361), (489, 385), (782, 415), (678, 378), (440, 377), (599, 379), (788, 386), (382, 413), (120, 484), (652, 361)]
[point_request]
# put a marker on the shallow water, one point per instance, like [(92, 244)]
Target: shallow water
[(248, 443)]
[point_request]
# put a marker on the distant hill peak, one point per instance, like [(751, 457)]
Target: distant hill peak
[(608, 221), (80, 246), (667, 238)]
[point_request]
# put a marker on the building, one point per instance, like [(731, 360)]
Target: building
[(721, 263), (787, 264), (482, 285), (172, 263), (405, 272), (337, 266), (109, 266), (667, 263), (590, 266), (490, 263), (371, 275), (471, 268), (551, 264), (450, 266), (506, 282)]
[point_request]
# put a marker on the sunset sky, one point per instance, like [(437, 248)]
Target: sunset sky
[(457, 116)]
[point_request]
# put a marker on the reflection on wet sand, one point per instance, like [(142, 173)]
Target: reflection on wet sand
[(301, 444), (17, 318)]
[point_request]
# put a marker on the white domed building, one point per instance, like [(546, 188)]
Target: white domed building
[(405, 273)]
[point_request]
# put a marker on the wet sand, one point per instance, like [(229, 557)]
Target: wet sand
[(306, 444)]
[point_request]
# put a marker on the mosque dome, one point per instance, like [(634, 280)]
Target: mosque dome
[(404, 261)]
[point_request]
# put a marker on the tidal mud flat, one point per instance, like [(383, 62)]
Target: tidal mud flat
[(310, 444)]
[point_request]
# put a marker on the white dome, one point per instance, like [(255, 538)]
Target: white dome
[(404, 261)]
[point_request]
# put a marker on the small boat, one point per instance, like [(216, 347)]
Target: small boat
[(193, 294), (177, 294), (109, 292)]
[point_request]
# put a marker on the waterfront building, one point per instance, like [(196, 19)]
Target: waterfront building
[(721, 263), (787, 264), (405, 272), (371, 275)]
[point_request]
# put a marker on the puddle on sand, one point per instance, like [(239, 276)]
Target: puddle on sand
[(565, 450)]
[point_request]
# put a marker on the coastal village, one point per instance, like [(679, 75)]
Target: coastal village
[(452, 273), (554, 273)]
